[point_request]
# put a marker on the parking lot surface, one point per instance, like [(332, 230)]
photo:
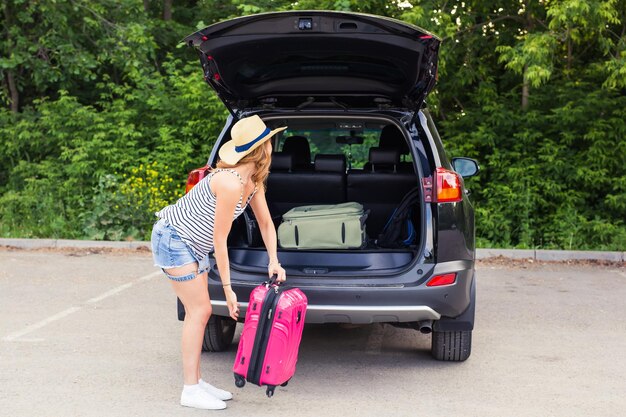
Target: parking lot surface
[(96, 334)]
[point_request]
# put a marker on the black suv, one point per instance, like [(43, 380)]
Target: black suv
[(351, 89)]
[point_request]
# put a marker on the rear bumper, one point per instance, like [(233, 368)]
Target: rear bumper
[(399, 299), (350, 314)]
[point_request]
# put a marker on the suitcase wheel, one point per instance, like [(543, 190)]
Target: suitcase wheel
[(284, 384), (239, 381), (270, 391)]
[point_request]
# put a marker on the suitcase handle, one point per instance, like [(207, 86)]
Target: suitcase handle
[(273, 281)]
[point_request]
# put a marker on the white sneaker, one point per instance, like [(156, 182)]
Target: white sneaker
[(214, 391), (196, 397)]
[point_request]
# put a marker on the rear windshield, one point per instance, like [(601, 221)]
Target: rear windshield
[(353, 143)]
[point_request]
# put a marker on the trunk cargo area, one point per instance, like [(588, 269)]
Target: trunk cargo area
[(324, 262), (338, 161)]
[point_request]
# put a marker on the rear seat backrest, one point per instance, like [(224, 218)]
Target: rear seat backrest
[(391, 138), (384, 160), (330, 170), (330, 163), (380, 188), (279, 181), (288, 188), (281, 161), (299, 147)]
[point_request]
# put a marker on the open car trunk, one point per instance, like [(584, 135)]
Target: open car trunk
[(298, 62), (333, 160)]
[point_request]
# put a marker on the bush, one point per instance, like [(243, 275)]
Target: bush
[(123, 209)]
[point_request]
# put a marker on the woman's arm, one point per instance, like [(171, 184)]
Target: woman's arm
[(268, 232), (227, 190)]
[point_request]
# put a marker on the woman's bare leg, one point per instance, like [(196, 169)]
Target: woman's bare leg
[(205, 279), (194, 295)]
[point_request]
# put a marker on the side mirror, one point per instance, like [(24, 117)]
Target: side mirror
[(466, 167)]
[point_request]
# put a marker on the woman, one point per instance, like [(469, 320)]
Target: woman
[(198, 224)]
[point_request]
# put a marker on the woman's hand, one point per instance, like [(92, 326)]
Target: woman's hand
[(231, 302), (275, 268)]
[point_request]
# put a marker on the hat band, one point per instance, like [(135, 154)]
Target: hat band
[(243, 148)]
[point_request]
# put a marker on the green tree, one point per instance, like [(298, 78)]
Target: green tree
[(95, 92)]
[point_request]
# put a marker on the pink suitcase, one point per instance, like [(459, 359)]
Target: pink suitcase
[(268, 347)]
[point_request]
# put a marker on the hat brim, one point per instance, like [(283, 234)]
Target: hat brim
[(228, 154)]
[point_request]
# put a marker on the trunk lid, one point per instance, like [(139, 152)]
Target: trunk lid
[(297, 58)]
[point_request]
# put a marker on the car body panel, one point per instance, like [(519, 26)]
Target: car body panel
[(455, 221), (366, 300)]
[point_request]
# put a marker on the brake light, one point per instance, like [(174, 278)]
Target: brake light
[(439, 280), (448, 186), (195, 176)]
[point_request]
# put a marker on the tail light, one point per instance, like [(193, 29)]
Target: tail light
[(195, 176), (439, 280), (448, 188)]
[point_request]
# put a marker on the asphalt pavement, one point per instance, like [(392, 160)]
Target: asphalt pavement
[(95, 334)]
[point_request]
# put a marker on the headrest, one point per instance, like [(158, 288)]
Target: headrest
[(330, 163), (392, 138), (281, 161), (299, 147), (386, 157)]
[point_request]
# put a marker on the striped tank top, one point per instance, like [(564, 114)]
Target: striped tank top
[(193, 215)]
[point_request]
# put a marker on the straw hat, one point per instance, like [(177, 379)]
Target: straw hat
[(246, 135)]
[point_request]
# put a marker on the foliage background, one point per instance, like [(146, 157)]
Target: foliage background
[(102, 114)]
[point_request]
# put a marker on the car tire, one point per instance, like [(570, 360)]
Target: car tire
[(218, 334), (454, 346)]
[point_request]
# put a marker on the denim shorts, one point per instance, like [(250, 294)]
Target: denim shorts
[(169, 251)]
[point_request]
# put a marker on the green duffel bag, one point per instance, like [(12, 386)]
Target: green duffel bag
[(333, 226)]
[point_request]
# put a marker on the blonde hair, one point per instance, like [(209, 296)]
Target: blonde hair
[(261, 159)]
